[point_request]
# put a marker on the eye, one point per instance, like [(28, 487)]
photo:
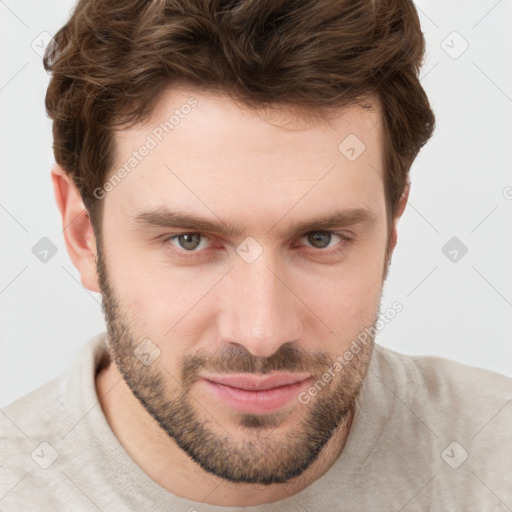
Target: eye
[(194, 244), (187, 241), (322, 239)]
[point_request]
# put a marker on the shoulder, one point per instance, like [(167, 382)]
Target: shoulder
[(448, 398), (30, 428), (26, 414), (453, 420), (442, 379), (50, 410), (38, 439), (39, 414)]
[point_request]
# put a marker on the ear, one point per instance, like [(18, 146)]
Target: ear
[(77, 228), (393, 236)]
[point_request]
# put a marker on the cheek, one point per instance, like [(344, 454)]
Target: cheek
[(135, 287), (346, 297), (164, 303), (348, 300)]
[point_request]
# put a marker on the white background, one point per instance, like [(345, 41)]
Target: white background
[(459, 310)]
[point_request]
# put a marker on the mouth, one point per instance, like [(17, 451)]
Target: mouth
[(256, 394)]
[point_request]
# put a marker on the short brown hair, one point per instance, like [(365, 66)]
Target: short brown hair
[(112, 59)]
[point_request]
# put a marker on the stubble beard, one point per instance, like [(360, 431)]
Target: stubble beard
[(262, 456)]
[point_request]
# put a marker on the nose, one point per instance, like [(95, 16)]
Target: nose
[(259, 308)]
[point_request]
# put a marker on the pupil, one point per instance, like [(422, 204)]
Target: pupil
[(317, 237), (189, 241)]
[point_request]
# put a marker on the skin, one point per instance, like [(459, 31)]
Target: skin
[(294, 308)]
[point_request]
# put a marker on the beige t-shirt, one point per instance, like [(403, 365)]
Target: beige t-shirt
[(428, 434)]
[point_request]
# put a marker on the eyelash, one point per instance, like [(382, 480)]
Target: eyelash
[(345, 240)]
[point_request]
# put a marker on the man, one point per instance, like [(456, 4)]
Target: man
[(230, 177)]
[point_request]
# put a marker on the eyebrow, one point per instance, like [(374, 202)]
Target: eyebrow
[(164, 218)]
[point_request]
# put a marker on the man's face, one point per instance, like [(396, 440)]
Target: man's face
[(244, 318)]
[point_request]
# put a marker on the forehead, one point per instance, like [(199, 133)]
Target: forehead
[(206, 153), (183, 110)]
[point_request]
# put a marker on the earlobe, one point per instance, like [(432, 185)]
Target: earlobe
[(77, 228)]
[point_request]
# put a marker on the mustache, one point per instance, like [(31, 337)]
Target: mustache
[(237, 359)]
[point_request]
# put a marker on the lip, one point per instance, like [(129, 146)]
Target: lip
[(256, 394)]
